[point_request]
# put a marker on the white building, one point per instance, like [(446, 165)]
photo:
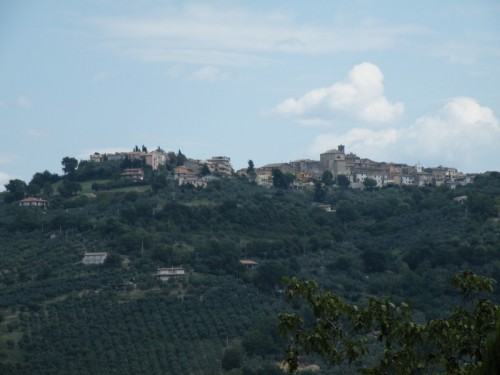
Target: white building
[(94, 258), (163, 274)]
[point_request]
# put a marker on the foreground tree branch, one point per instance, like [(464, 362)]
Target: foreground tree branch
[(343, 333)]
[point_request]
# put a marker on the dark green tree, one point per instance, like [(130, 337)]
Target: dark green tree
[(69, 165), (41, 181), (69, 188), (269, 275), (327, 178), (181, 158), (16, 190), (159, 182), (281, 180), (251, 167), (369, 183), (319, 192), (341, 331), (343, 181), (482, 205), (204, 170), (233, 358), (346, 211)]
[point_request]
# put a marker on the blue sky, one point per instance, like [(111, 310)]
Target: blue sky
[(271, 81)]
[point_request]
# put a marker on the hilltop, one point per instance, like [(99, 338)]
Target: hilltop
[(60, 315)]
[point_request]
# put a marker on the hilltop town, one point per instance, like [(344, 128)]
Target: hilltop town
[(304, 171)]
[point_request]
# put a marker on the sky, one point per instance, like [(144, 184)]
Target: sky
[(271, 81)]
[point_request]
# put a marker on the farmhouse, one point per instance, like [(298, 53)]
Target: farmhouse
[(33, 202), (163, 274), (94, 258)]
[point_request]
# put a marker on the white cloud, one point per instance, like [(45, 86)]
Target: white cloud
[(360, 95), (462, 134), (208, 74), (209, 35), (24, 102), (362, 141)]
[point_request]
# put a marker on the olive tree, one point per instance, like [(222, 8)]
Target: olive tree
[(344, 333)]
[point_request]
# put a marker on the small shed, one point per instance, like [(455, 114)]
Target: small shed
[(163, 274), (94, 258), (247, 263)]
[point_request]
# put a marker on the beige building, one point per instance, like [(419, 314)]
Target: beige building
[(94, 258), (220, 165), (334, 161), (133, 174), (163, 274)]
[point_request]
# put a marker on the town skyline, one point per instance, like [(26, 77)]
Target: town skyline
[(271, 82)]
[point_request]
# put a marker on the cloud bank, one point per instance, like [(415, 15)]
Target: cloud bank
[(462, 133), (360, 95), (236, 36)]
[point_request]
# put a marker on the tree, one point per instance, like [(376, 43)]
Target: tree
[(69, 165), (282, 180), (346, 211), (319, 192), (491, 359), (369, 183), (69, 188), (341, 331), (251, 167), (144, 149), (41, 182), (482, 205), (159, 182), (181, 158), (269, 275), (233, 358), (343, 181), (16, 190), (327, 178), (204, 170)]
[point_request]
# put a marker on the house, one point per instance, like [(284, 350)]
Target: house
[(181, 172), (193, 180), (33, 202), (163, 274), (220, 165), (326, 207), (94, 258), (249, 264), (153, 159), (133, 174)]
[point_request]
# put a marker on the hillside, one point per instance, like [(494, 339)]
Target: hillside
[(60, 316)]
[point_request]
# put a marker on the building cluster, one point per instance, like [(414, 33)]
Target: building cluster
[(191, 172), (305, 171), (357, 169)]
